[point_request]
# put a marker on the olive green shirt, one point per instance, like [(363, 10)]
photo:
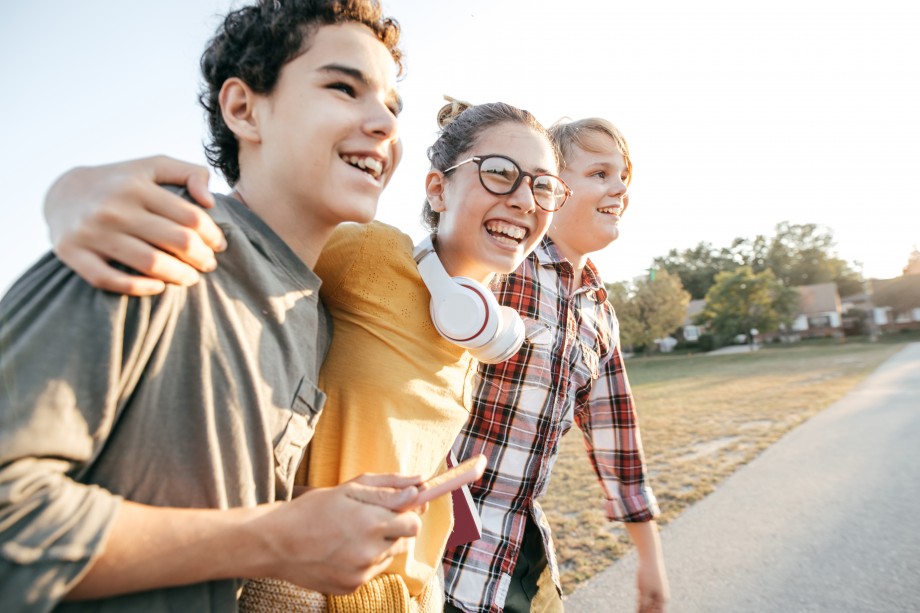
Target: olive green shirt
[(202, 397)]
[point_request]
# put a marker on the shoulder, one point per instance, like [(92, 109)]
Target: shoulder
[(374, 235), (369, 268), (51, 306), (354, 248)]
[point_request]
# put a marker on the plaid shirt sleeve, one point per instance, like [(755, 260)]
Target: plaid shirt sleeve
[(606, 414)]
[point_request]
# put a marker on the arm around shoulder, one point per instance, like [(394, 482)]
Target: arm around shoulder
[(119, 213)]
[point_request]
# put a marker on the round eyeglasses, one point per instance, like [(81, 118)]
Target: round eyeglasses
[(501, 176)]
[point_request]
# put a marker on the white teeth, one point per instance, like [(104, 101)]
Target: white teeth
[(372, 166), (615, 210), (516, 233)]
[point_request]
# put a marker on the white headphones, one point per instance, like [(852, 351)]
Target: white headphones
[(466, 313)]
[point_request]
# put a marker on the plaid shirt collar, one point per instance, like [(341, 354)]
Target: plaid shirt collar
[(547, 254)]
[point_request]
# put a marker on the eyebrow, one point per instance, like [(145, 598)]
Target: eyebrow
[(539, 170), (356, 74)]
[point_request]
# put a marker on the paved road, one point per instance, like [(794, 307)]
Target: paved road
[(827, 519)]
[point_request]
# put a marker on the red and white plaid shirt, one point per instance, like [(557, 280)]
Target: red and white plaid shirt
[(569, 370)]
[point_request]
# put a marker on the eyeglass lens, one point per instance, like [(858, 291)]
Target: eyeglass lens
[(501, 176)]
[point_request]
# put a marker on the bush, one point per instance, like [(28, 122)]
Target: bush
[(706, 342)]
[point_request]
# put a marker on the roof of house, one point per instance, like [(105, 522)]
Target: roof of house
[(820, 298)]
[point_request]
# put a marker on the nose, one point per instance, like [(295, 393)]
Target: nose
[(618, 188), (522, 198), (380, 121)]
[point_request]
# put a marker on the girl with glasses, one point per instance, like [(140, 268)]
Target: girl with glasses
[(397, 390), (576, 375)]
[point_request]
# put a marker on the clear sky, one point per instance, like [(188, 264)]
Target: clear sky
[(739, 115)]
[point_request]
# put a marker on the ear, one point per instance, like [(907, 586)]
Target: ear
[(434, 189), (238, 108)]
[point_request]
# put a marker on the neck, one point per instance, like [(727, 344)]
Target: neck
[(576, 258), (455, 269), (304, 235)]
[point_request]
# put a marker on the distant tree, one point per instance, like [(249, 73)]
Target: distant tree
[(913, 263), (743, 299), (618, 296), (698, 266), (902, 293), (849, 283), (803, 254), (650, 309), (798, 254)]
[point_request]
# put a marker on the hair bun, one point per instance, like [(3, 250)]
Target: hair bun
[(451, 111)]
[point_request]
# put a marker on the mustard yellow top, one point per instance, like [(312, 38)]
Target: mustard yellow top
[(396, 391)]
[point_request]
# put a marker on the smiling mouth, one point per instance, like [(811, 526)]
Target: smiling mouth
[(371, 166), (611, 210), (506, 233)]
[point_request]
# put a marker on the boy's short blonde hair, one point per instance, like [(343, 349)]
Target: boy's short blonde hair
[(567, 134)]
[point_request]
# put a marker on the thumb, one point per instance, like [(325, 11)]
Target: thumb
[(388, 480)]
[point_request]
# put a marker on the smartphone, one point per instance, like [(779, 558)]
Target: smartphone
[(463, 473)]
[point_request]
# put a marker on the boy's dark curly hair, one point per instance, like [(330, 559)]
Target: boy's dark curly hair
[(255, 42)]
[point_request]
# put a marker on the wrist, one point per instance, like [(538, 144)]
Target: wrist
[(249, 544)]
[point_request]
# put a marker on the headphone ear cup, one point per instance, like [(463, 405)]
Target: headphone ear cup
[(507, 341), (461, 315), (460, 308), (466, 313)]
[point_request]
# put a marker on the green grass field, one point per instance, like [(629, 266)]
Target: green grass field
[(702, 417)]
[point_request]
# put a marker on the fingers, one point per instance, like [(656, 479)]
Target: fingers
[(652, 601), (404, 526), (88, 250), (651, 607), (389, 498), (200, 236), (154, 228), (100, 274), (397, 493), (383, 560), (147, 260)]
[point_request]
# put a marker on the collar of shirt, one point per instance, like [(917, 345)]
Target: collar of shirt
[(547, 254)]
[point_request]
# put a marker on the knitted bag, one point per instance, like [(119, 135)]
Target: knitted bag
[(383, 594), (276, 596)]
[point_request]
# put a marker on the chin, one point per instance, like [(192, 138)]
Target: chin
[(599, 241), (361, 214), (610, 235)]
